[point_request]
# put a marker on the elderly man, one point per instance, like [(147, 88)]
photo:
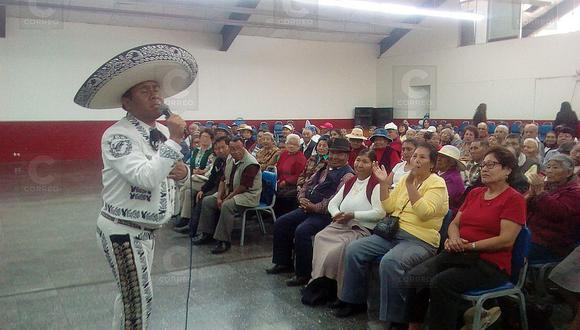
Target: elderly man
[(295, 230), (307, 145), (472, 173), (482, 129), (142, 162), (531, 132), (393, 133), (566, 134), (239, 188), (527, 166), (500, 133)]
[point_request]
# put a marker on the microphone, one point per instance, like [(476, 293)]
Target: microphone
[(164, 109)]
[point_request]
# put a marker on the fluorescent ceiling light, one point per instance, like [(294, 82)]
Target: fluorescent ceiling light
[(393, 9)]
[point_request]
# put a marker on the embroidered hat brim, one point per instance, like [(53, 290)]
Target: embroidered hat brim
[(172, 67)]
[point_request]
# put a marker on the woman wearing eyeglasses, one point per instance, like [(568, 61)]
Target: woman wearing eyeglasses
[(478, 250)]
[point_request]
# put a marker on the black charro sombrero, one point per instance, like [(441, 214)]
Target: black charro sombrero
[(173, 67)]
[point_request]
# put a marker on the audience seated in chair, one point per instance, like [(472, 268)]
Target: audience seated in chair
[(221, 150), (355, 210), (527, 166), (477, 251), (290, 165), (356, 139), (420, 202), (553, 211), (268, 154), (471, 134), (307, 144), (200, 163), (316, 162), (295, 230), (247, 135), (449, 167), (565, 134), (404, 166), (239, 188), (385, 154)]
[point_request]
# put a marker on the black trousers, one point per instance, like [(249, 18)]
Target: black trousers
[(444, 278)]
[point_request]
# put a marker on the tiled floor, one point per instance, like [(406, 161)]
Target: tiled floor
[(53, 276)]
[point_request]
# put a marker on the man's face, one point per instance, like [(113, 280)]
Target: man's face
[(392, 133), (237, 150), (144, 101), (285, 132), (246, 134), (530, 131), (514, 144), (220, 132), (221, 149), (476, 151), (550, 138), (337, 159), (564, 137), (482, 129), (306, 135)]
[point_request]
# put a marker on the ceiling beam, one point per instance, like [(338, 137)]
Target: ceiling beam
[(399, 33), (233, 22), (2, 22), (230, 32), (548, 17)]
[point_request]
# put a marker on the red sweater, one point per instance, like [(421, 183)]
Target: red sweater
[(554, 218), (481, 219), (290, 167)]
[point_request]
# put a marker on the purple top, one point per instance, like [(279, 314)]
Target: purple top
[(455, 188)]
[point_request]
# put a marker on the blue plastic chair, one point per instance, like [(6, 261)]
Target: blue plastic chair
[(209, 124), (516, 127), (264, 126), (278, 130), (267, 201), (491, 127), (512, 288), (238, 121), (544, 129), (463, 125)]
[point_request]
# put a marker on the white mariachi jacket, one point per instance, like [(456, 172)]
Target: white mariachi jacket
[(135, 183)]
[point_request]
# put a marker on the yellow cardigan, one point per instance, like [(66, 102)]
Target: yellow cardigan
[(422, 219)]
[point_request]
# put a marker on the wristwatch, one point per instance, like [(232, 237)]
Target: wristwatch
[(473, 246)]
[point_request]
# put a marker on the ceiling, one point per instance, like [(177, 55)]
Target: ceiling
[(270, 18)]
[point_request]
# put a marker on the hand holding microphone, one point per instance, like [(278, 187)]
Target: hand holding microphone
[(175, 123)]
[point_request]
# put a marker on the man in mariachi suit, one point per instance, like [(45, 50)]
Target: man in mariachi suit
[(142, 163)]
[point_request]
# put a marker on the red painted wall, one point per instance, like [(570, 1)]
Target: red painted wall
[(67, 140)]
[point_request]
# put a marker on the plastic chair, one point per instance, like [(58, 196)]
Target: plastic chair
[(516, 127), (278, 130), (463, 125), (512, 288), (491, 127), (544, 130), (209, 124), (238, 121), (264, 126), (267, 201)]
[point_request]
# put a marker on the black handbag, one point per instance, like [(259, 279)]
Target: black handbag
[(388, 226)]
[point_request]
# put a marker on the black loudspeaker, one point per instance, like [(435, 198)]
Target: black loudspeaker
[(363, 116), (382, 116)]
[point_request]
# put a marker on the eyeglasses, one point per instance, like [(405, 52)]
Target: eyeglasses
[(489, 165)]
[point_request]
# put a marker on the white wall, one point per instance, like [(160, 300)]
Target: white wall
[(258, 78), (518, 79)]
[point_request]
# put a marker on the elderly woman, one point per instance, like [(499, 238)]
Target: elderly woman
[(290, 165), (268, 154), (553, 212), (404, 166), (410, 134), (478, 250), (531, 149), (433, 139), (448, 136), (469, 135), (315, 162), (419, 202), (449, 167), (355, 210)]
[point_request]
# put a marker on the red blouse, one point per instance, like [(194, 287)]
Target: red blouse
[(481, 219), (290, 167)]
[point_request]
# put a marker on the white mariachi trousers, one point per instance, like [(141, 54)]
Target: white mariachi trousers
[(129, 252)]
